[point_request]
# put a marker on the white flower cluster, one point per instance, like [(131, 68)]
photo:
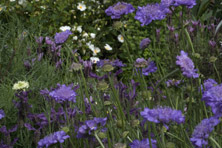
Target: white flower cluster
[(20, 85)]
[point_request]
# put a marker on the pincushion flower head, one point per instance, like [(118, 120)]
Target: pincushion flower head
[(143, 144), (119, 9), (150, 12), (120, 38), (144, 43), (90, 126), (151, 68), (81, 6), (186, 65), (21, 85), (188, 3), (62, 36), (202, 131), (53, 138), (63, 93), (213, 98), (163, 115), (209, 83)]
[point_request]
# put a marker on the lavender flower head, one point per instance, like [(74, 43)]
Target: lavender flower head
[(213, 98), (167, 3), (188, 3), (119, 9), (59, 136), (150, 12), (186, 65), (163, 115), (144, 43), (2, 114), (62, 36), (141, 62), (143, 144), (63, 93), (202, 131), (209, 83)]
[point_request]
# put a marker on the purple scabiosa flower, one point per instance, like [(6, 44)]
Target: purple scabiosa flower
[(213, 98), (151, 68), (187, 65), (62, 36), (167, 3), (2, 114), (150, 12), (209, 83), (53, 138), (188, 3), (212, 44), (144, 43), (143, 144), (202, 131), (63, 93), (163, 115), (119, 9), (90, 126)]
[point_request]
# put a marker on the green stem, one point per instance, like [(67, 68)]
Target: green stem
[(215, 142), (100, 142), (218, 75)]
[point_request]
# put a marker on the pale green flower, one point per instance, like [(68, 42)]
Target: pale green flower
[(20, 85)]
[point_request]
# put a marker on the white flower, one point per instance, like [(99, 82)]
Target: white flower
[(98, 29), (64, 28), (79, 29), (20, 85), (108, 47), (81, 7), (94, 60), (85, 35), (12, 0), (120, 38), (93, 35), (96, 50), (75, 38), (21, 2)]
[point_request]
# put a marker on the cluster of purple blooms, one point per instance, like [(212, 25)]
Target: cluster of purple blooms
[(202, 131), (61, 37), (53, 138), (173, 82), (88, 128), (147, 66), (213, 98), (114, 63), (62, 93), (163, 115), (186, 65), (143, 144), (146, 14), (119, 9)]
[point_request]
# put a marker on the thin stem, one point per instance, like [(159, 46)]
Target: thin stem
[(100, 142), (215, 142)]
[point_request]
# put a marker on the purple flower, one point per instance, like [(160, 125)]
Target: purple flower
[(163, 115), (144, 43), (62, 36), (143, 144), (141, 63), (202, 131), (213, 98), (114, 63), (90, 126), (150, 12), (187, 65), (188, 3), (119, 9), (151, 67), (53, 138), (167, 3), (212, 43), (2, 114), (209, 83), (63, 93)]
